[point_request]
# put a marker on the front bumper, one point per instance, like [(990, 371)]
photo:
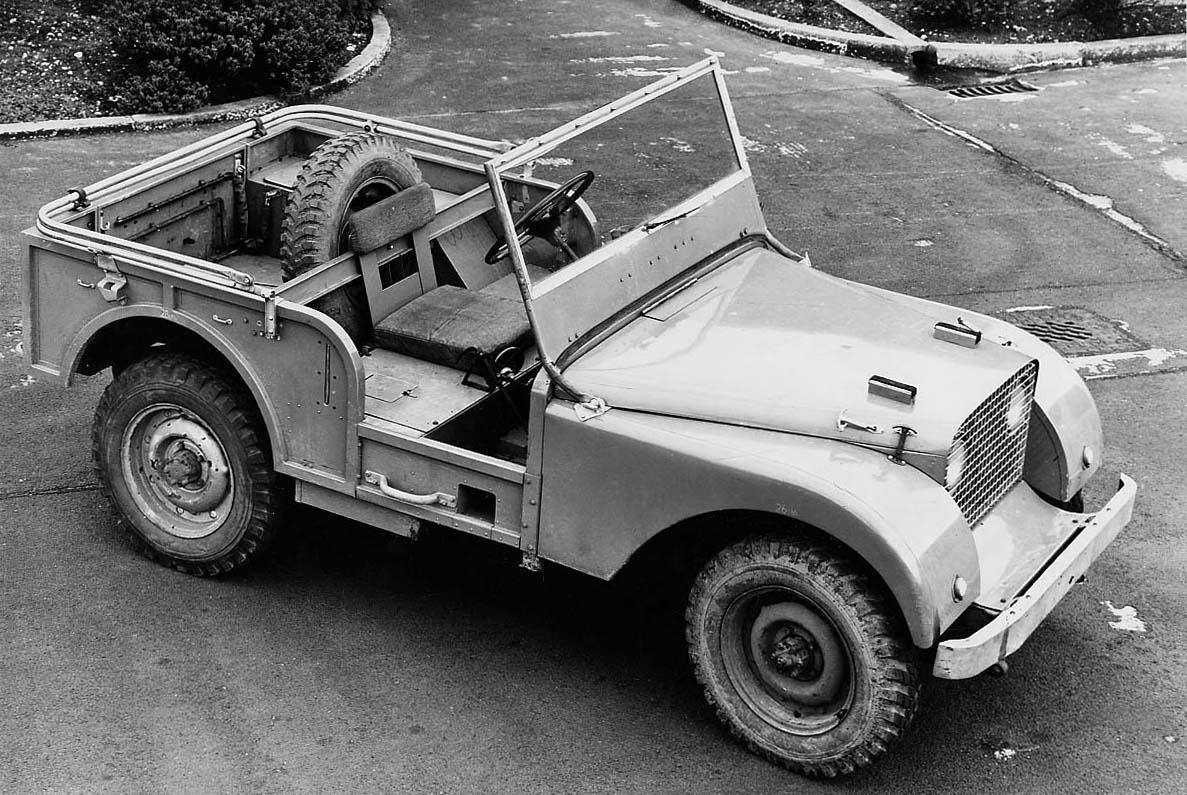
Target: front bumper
[(960, 658)]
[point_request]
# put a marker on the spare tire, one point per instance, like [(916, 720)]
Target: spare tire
[(343, 175)]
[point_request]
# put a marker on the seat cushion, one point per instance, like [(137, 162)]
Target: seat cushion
[(443, 324)]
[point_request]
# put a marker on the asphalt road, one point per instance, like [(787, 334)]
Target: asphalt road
[(351, 662)]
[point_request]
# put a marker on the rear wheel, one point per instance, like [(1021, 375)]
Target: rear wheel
[(801, 654), (182, 456)]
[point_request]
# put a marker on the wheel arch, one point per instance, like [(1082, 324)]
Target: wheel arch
[(693, 540), (120, 336), (626, 480)]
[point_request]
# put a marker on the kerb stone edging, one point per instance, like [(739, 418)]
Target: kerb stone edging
[(1003, 58), (353, 71)]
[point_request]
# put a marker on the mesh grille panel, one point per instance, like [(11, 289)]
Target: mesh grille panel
[(989, 449)]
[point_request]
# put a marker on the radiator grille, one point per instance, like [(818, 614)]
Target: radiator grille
[(989, 449)]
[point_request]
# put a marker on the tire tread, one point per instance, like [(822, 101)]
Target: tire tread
[(895, 689), (213, 386)]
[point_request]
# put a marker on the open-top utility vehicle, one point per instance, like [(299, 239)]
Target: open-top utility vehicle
[(407, 326)]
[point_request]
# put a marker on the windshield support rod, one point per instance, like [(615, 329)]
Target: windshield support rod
[(519, 266)]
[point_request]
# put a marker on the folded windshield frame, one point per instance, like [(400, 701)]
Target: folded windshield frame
[(536, 148)]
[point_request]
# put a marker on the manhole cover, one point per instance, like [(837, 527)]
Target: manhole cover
[(992, 89), (1074, 331)]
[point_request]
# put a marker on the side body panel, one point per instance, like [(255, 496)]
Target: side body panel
[(307, 382), (614, 482)]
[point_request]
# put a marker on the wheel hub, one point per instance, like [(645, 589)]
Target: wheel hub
[(796, 656), (178, 471), (183, 468)]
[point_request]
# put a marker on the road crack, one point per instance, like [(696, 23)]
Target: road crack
[(42, 491)]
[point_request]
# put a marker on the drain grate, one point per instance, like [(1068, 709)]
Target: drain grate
[(992, 89), (1074, 331)]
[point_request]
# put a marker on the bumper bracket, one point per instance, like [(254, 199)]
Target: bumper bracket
[(961, 658)]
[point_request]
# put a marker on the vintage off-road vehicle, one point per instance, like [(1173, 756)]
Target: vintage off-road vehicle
[(407, 326)]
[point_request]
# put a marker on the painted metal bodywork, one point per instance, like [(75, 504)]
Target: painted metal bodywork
[(768, 343), (614, 482), (1064, 421), (1087, 536), (308, 418), (690, 369)]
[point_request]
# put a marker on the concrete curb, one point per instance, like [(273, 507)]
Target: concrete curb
[(1003, 58), (800, 35), (353, 71)]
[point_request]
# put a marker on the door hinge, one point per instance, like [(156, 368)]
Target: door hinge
[(271, 326)]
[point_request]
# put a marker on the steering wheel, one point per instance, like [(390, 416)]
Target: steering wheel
[(543, 219)]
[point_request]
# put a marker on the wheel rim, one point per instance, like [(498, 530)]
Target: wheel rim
[(787, 661), (177, 471), (369, 192)]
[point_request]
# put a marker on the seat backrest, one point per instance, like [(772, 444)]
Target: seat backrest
[(392, 218), (393, 275)]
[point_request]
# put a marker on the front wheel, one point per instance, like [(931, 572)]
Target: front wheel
[(182, 456), (801, 654)]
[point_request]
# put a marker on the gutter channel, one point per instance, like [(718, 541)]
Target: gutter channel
[(1101, 204)]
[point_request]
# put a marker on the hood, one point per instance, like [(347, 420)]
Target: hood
[(765, 342)]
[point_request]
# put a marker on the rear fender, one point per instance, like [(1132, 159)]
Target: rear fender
[(613, 483), (77, 348), (308, 439)]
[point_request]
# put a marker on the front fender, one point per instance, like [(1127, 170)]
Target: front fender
[(614, 482), (1057, 463), (1066, 420)]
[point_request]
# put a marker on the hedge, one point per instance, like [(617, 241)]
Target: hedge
[(174, 56), (1107, 17)]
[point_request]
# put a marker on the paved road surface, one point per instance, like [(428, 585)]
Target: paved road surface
[(350, 662)]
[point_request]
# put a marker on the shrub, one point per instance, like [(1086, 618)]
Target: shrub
[(1120, 17), (361, 9), (960, 13), (175, 56)]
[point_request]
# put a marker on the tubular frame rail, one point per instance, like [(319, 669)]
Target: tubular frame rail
[(51, 217)]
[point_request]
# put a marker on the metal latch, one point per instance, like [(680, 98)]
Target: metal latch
[(903, 432), (112, 285), (590, 408), (845, 423)]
